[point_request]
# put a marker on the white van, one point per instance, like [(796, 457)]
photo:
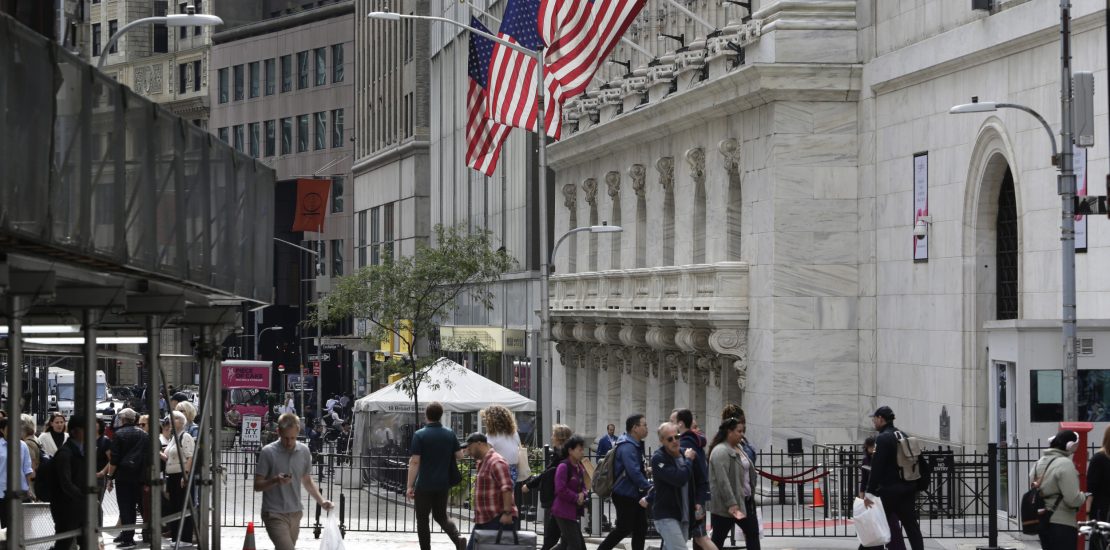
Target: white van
[(62, 394)]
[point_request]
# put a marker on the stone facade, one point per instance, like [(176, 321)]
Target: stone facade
[(790, 166)]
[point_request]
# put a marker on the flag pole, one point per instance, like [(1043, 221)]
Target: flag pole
[(546, 374)]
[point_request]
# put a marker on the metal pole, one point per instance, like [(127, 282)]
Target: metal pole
[(153, 523), (14, 493), (1067, 225), (214, 464), (91, 530), (546, 410), (208, 431)]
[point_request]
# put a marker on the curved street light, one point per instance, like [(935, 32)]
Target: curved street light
[(190, 19)]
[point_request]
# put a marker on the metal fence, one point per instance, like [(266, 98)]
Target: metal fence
[(806, 494)]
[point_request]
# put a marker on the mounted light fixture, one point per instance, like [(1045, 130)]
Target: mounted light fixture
[(681, 38)]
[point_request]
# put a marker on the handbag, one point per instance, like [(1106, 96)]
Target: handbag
[(503, 539), (523, 469)]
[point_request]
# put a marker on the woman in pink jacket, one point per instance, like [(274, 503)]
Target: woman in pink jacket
[(570, 495)]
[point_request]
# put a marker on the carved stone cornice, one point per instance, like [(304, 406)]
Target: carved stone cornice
[(730, 341), (695, 157), (570, 352), (584, 332), (599, 356), (661, 338), (665, 166), (709, 370), (638, 175), (693, 339), (608, 334), (589, 186), (649, 358), (570, 196), (730, 150), (633, 336), (624, 359), (562, 331), (673, 363), (613, 184)]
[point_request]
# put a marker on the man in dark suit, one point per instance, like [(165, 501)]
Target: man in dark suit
[(68, 469)]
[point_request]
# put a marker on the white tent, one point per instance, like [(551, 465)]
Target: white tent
[(456, 387)]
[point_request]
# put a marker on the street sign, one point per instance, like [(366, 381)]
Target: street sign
[(251, 431), (1091, 204), (315, 368), (281, 368), (315, 357)]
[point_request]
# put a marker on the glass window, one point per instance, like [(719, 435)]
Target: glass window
[(337, 128), (321, 130), (196, 75), (321, 248), (375, 235), (336, 194), (362, 239), (271, 78), (337, 63), (182, 73), (161, 32), (113, 26), (182, 32), (222, 134), (238, 130), (255, 79), (286, 73), (254, 139), (302, 133), (1094, 395), (237, 72), (197, 30), (387, 232), (271, 137), (321, 66), (1046, 399), (96, 40), (302, 70), (337, 257), (286, 135)]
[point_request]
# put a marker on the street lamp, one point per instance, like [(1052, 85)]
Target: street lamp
[(1065, 185), (315, 253), (188, 19), (258, 335)]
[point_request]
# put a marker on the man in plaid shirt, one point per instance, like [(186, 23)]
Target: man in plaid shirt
[(493, 488)]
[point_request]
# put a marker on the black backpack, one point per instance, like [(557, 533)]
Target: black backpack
[(45, 479), (1033, 507)]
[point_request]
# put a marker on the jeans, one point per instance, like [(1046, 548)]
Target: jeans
[(572, 535), (129, 496), (551, 532), (673, 532), (899, 507), (1057, 536), (493, 525), (631, 520), (722, 526), (434, 503)]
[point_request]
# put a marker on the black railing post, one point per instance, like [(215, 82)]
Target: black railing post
[(992, 498)]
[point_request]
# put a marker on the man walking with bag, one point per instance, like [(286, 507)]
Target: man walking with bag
[(127, 468), (430, 467), (886, 483), (631, 484), (493, 489), (283, 467)]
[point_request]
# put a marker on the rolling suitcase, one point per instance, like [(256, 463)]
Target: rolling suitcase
[(504, 540)]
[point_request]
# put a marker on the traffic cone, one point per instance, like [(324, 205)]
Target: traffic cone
[(248, 543), (818, 497)]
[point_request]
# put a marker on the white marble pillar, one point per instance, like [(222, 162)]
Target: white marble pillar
[(668, 377), (714, 392), (570, 372), (585, 394)]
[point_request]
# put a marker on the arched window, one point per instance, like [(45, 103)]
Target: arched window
[(1006, 251)]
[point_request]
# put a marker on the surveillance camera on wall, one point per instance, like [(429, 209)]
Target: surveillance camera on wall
[(921, 227)]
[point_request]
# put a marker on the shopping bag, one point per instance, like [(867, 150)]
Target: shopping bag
[(503, 539), (331, 538), (871, 526), (523, 469), (759, 520)]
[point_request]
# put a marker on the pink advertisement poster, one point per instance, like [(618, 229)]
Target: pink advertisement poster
[(246, 375)]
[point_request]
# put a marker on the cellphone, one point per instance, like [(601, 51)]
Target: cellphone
[(285, 476)]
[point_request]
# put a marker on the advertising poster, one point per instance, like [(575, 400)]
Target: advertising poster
[(920, 203), (1079, 161)]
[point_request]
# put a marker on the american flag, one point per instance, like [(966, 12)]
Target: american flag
[(483, 136), (512, 74)]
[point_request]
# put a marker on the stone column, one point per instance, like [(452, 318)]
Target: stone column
[(656, 386), (568, 352), (709, 371)]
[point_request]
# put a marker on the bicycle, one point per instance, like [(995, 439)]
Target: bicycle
[(1096, 532)]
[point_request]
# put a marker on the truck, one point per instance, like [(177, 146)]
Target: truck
[(62, 390), (246, 389)]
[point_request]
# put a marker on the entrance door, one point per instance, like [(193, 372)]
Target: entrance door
[(1006, 418)]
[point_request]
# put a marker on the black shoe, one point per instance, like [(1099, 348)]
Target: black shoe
[(461, 545), (126, 544), (118, 539)]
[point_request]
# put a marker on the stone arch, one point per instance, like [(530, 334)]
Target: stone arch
[(992, 156)]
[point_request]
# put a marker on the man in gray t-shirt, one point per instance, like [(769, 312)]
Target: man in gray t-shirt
[(279, 464)]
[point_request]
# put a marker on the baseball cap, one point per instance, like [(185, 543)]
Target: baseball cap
[(884, 412), (476, 437)]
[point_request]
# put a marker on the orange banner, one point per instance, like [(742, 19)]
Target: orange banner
[(312, 204)]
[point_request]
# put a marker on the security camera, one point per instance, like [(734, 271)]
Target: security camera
[(921, 227)]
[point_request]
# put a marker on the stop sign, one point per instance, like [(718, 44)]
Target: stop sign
[(281, 368)]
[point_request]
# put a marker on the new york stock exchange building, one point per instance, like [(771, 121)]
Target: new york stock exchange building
[(769, 170)]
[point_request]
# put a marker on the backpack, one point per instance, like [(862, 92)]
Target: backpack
[(912, 466), (605, 476), (45, 479), (1033, 506)]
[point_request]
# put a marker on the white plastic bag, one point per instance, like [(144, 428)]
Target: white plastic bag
[(759, 520), (331, 538), (871, 526)]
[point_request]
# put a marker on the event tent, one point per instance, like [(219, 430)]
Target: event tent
[(456, 387)]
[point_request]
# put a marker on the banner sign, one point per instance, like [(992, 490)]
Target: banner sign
[(250, 434), (246, 375), (312, 204), (920, 203), (1079, 161)]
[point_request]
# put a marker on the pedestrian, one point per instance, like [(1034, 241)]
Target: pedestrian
[(103, 450), (631, 484), (886, 482), (289, 405), (178, 457), (343, 442), (690, 439), (606, 441), (434, 450), (733, 410), (68, 468), (25, 465), (1059, 483), (1098, 480), (865, 474), (331, 403), (732, 484), (188, 409), (493, 504), (545, 483), (53, 434), (126, 469), (570, 495), (283, 467), (500, 425), (27, 423), (672, 499)]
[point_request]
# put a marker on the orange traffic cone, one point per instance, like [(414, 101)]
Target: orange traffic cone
[(248, 543), (818, 497)]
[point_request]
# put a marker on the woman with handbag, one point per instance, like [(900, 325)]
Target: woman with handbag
[(731, 486), (500, 425), (1058, 481), (570, 495)]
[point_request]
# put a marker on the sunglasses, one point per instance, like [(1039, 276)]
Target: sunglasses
[(671, 438), (142, 423)]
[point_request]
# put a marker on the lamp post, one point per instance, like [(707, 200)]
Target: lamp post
[(258, 335), (301, 373), (189, 19)]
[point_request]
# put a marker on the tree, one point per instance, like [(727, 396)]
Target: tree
[(407, 297)]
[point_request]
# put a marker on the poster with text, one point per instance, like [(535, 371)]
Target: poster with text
[(920, 203), (1079, 161)]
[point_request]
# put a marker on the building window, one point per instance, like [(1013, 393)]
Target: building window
[(254, 78), (407, 28), (408, 114), (238, 130), (237, 73), (161, 37), (286, 73), (321, 130), (361, 239), (302, 70), (337, 63), (113, 26), (1046, 395), (182, 73), (1007, 251), (197, 30), (387, 232), (321, 249), (337, 257), (375, 236), (271, 78), (336, 194), (196, 76), (337, 128), (271, 138), (286, 135), (1094, 395), (183, 32), (302, 133), (222, 134), (96, 40), (254, 139), (321, 66)]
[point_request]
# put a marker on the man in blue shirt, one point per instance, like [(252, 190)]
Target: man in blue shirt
[(631, 484), (25, 457), (433, 453)]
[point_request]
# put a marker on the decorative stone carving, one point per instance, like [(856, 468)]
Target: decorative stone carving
[(638, 175), (672, 365), (649, 359), (741, 368), (729, 341), (608, 334), (623, 357), (633, 86), (589, 187), (695, 157), (599, 356), (633, 336), (730, 150), (749, 32), (690, 60), (710, 370), (692, 339), (662, 73), (568, 352), (584, 332), (570, 196), (665, 166), (613, 184), (610, 95), (661, 338)]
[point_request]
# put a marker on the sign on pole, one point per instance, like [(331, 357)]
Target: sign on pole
[(251, 431)]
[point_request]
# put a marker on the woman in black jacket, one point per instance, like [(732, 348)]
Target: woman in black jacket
[(545, 483), (1098, 480)]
